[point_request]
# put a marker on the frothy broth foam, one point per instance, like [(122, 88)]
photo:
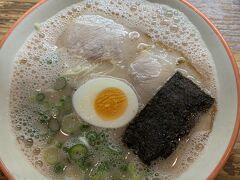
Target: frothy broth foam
[(153, 42)]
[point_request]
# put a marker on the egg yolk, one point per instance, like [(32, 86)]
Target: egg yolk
[(111, 103)]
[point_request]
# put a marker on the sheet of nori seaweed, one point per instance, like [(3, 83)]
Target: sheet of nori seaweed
[(168, 117)]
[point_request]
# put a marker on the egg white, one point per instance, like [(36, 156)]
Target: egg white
[(84, 99)]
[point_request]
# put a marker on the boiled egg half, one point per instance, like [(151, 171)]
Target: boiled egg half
[(106, 102)]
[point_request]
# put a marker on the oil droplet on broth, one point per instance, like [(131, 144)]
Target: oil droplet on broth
[(29, 142), (39, 163), (36, 151), (199, 147)]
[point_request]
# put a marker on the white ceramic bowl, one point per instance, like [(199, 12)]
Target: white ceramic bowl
[(226, 124)]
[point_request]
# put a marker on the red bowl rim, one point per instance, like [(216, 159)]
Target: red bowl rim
[(234, 136)]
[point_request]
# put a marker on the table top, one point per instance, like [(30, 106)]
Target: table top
[(225, 14)]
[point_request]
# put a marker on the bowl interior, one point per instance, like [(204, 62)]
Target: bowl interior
[(223, 126)]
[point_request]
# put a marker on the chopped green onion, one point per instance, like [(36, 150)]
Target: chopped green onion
[(99, 176), (60, 83), (95, 138), (114, 149), (78, 151), (83, 164), (40, 113), (57, 144), (51, 155), (134, 174), (123, 167), (54, 125), (117, 178), (40, 97), (103, 166), (101, 171), (70, 124), (102, 137), (84, 127), (65, 105), (92, 137), (65, 149), (59, 168), (50, 139), (54, 111)]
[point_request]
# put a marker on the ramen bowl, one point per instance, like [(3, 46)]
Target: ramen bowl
[(226, 125)]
